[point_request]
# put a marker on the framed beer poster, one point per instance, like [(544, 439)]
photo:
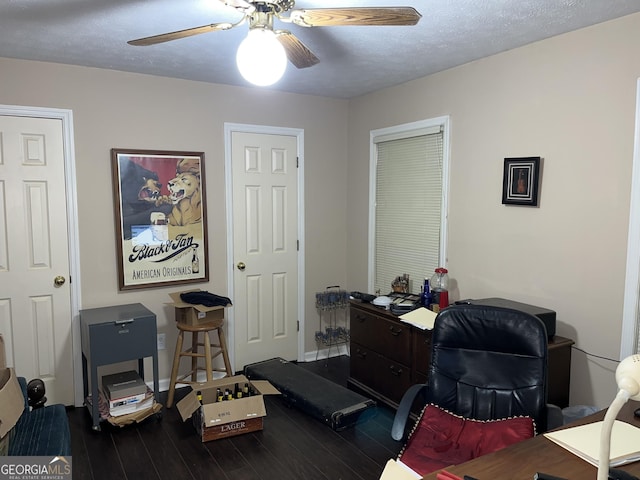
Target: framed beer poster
[(160, 215)]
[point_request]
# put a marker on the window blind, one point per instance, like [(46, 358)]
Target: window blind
[(408, 209)]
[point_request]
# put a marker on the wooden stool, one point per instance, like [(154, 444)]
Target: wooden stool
[(195, 354)]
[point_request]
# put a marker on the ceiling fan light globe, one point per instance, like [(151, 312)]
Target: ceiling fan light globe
[(261, 58)]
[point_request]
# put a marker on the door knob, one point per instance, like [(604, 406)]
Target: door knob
[(59, 281), (241, 266)]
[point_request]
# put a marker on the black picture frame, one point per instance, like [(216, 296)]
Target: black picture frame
[(160, 216), (521, 181)]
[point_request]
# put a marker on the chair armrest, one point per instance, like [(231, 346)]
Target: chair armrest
[(404, 410), (555, 418)]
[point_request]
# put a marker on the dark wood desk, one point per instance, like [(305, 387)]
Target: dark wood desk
[(388, 356), (522, 460)]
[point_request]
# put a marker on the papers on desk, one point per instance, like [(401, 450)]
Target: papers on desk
[(584, 441), (396, 470), (420, 317)]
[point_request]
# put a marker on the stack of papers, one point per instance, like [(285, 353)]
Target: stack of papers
[(420, 317), (396, 470), (584, 441)]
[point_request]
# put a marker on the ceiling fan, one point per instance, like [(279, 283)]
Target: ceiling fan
[(260, 16)]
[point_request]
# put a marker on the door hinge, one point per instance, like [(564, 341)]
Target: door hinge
[(297, 245), (297, 162), (297, 325)]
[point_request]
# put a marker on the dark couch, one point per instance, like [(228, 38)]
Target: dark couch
[(41, 431)]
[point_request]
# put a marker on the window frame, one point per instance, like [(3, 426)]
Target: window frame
[(407, 130), (630, 335)]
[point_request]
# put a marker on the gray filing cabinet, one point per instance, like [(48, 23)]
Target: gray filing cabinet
[(116, 334)]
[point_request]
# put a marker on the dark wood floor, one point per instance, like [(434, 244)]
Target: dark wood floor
[(292, 446)]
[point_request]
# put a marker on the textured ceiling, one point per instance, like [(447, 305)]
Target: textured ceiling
[(353, 60)]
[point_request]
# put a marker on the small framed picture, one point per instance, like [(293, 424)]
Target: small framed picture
[(520, 181)]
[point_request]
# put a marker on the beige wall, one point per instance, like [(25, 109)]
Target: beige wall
[(570, 100), (115, 109)]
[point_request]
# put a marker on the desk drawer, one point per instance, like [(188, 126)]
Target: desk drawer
[(393, 379), (124, 340), (363, 327), (395, 340), (421, 352), (388, 378), (388, 337), (362, 364)]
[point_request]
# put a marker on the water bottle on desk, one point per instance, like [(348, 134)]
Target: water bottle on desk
[(425, 296)]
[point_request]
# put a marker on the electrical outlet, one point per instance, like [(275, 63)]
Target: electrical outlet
[(162, 341)]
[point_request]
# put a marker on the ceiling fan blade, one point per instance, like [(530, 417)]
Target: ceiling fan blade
[(167, 37), (317, 17), (297, 52)]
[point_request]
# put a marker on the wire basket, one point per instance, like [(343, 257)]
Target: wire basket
[(333, 298), (332, 336)]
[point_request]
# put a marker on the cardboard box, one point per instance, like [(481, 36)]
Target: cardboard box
[(123, 384), (129, 408), (119, 402), (214, 420), (11, 398), (192, 314)]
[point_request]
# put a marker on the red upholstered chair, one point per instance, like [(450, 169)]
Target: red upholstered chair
[(487, 387)]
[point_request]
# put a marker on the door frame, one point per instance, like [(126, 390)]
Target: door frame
[(230, 128), (66, 116)]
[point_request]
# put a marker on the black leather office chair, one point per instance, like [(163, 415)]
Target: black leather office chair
[(487, 363)]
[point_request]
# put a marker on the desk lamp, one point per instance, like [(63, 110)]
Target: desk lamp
[(628, 380)]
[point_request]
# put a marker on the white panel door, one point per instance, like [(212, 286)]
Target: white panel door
[(265, 247), (35, 302)]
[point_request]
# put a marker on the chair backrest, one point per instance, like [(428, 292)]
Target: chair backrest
[(489, 363)]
